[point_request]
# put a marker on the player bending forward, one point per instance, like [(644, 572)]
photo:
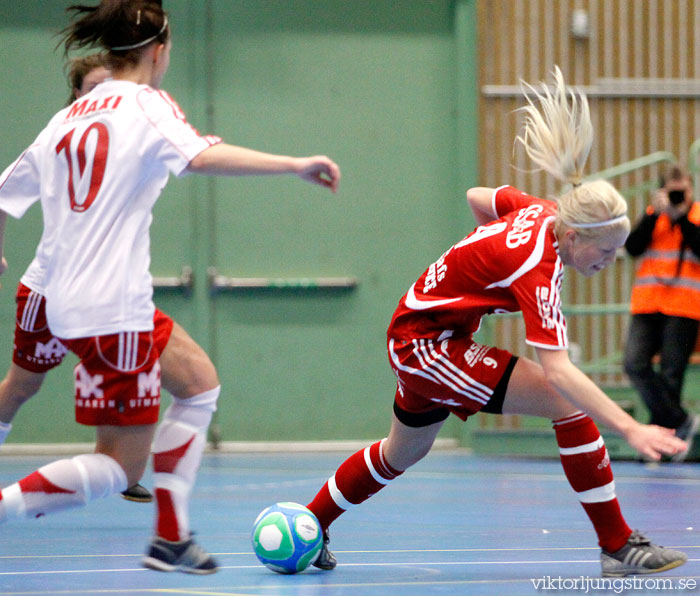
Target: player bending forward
[(514, 261)]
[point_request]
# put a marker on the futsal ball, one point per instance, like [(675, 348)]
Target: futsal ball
[(287, 537)]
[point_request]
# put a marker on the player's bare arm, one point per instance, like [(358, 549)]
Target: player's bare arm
[(579, 390), (230, 160)]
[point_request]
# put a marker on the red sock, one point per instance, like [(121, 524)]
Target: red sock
[(356, 480), (587, 466)]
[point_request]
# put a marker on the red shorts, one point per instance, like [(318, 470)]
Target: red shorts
[(36, 349), (117, 380), (455, 374)]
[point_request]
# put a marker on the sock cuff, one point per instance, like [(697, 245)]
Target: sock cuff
[(377, 462), (571, 420), (205, 400), (576, 431)]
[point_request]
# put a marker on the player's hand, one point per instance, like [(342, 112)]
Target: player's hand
[(655, 441), (319, 169)]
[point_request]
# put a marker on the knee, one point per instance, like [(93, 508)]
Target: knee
[(194, 374), (635, 368), (204, 377)]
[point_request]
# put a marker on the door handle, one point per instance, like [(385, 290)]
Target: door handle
[(221, 283), (183, 283)]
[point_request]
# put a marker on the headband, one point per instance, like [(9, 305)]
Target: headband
[(145, 41), (599, 224)]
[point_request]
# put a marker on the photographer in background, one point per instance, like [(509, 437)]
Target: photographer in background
[(665, 303)]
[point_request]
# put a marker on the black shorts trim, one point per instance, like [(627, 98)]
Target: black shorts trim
[(420, 419), (495, 404)]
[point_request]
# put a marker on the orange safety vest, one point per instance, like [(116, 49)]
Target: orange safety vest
[(659, 286)]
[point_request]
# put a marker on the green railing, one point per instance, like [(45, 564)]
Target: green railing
[(693, 165), (634, 165)]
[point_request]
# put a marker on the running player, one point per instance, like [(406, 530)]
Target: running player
[(98, 167), (36, 350), (514, 261)]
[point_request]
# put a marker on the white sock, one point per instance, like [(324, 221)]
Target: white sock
[(177, 452), (63, 484)]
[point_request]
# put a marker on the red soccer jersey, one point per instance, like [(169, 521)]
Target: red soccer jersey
[(510, 264)]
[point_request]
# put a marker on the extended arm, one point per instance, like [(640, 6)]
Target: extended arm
[(479, 199), (580, 391), (230, 160)]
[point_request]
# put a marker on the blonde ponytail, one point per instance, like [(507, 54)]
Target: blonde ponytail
[(557, 136)]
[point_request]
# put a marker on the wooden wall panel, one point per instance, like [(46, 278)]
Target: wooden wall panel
[(640, 65)]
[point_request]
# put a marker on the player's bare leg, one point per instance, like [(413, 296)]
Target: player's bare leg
[(18, 386), (186, 369), (406, 445), (130, 446)]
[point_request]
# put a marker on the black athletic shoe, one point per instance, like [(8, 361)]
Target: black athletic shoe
[(186, 556), (326, 559), (137, 494)]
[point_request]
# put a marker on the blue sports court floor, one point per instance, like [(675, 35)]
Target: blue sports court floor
[(454, 524)]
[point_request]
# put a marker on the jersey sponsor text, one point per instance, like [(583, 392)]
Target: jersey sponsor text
[(521, 232), (87, 107)]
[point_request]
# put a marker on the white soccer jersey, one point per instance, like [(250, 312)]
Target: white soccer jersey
[(98, 169), (34, 276)]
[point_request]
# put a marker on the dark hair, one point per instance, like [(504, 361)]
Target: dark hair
[(122, 27), (79, 68), (672, 172)]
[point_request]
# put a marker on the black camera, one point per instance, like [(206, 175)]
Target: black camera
[(676, 197)]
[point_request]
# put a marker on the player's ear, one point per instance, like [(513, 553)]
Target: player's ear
[(568, 240), (158, 50)]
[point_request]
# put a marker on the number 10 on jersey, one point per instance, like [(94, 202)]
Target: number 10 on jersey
[(77, 154)]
